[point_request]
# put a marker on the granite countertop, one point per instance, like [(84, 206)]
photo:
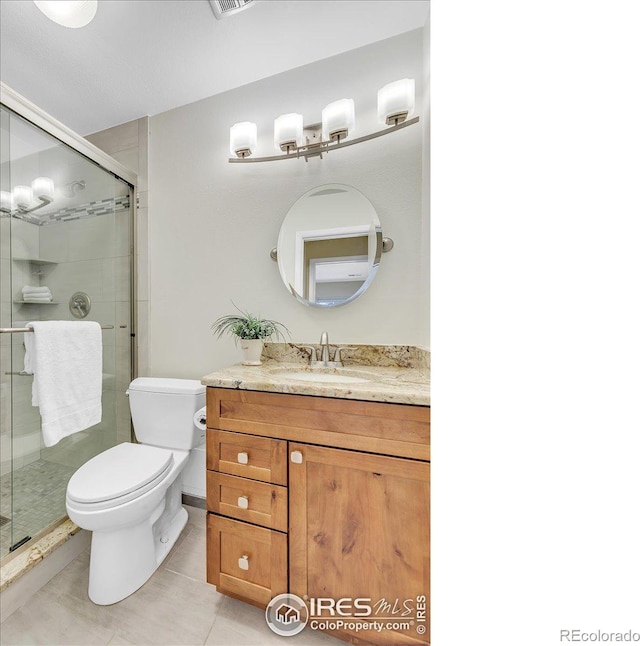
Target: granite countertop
[(397, 376)]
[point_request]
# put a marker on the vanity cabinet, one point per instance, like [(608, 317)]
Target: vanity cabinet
[(324, 498)]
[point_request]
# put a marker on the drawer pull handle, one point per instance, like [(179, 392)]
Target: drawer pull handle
[(243, 562), (243, 502), (296, 457), (243, 458)]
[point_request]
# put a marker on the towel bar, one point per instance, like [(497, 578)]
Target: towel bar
[(13, 330)]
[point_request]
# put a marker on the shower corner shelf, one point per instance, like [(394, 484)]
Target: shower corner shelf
[(36, 261), (36, 302)]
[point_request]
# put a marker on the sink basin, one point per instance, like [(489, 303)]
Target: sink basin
[(325, 375)]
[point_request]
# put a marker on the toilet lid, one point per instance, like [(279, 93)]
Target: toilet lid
[(118, 471), (167, 386)]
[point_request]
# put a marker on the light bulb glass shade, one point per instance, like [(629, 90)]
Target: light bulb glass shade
[(69, 13), (6, 201), (338, 120), (43, 188), (243, 138), (396, 101), (287, 131), (22, 196)]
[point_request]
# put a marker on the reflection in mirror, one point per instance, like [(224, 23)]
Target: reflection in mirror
[(329, 246)]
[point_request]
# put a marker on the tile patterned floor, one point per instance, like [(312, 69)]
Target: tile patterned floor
[(176, 607), (39, 490)]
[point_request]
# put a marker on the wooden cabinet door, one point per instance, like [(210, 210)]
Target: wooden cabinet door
[(359, 528)]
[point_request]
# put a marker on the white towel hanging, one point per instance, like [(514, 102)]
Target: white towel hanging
[(65, 358)]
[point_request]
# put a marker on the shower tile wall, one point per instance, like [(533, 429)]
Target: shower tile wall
[(92, 256), (89, 255), (129, 144)]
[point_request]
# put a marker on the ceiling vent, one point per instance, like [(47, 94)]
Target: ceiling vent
[(224, 8)]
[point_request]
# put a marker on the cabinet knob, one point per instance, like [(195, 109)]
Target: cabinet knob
[(296, 457), (243, 502), (243, 458), (243, 562)]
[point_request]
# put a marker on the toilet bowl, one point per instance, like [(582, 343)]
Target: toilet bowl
[(130, 495)]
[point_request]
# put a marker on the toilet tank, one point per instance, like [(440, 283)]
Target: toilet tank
[(162, 411)]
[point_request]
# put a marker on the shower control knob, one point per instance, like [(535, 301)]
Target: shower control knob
[(243, 458), (243, 562), (243, 502)]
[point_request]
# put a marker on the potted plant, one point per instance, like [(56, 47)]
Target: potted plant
[(251, 331)]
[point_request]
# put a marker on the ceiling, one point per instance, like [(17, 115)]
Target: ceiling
[(143, 57)]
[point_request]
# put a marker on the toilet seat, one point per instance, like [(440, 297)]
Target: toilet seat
[(118, 475)]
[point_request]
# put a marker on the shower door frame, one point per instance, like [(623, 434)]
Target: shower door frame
[(22, 107)]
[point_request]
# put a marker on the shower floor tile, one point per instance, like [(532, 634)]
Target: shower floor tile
[(39, 490)]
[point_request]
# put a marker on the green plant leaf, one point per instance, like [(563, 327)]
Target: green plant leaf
[(248, 326)]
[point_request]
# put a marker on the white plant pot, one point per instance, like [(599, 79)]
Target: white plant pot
[(251, 351)]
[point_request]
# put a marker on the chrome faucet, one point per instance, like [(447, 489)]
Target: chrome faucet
[(324, 355)]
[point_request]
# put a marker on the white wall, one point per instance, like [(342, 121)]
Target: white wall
[(212, 224), (425, 313)]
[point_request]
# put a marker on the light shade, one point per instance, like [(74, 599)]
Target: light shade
[(287, 131), (396, 101), (22, 196), (69, 13), (338, 120), (243, 138), (6, 201), (43, 188)]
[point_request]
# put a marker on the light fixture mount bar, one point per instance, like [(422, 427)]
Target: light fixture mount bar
[(317, 149), (44, 200)]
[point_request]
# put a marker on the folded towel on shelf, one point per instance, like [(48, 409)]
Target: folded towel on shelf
[(28, 289), (37, 299), (65, 358), (36, 294)]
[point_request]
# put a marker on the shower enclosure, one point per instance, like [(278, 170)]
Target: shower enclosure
[(66, 249)]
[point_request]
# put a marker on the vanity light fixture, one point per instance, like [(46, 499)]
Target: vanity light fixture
[(244, 137), (22, 197), (338, 120), (396, 106), (287, 132), (396, 101), (69, 13)]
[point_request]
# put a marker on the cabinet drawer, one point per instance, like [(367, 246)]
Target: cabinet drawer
[(257, 458), (401, 430), (245, 561), (261, 503)]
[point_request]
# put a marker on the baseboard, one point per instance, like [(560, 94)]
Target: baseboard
[(194, 501)]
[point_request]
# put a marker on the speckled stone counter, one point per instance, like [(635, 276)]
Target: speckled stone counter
[(393, 374)]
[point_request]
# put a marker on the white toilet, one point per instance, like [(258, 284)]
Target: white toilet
[(130, 496)]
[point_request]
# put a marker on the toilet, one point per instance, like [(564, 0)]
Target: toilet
[(130, 496)]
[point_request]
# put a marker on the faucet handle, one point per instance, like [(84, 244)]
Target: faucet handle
[(313, 355), (337, 357)]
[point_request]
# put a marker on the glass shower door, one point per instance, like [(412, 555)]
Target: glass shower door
[(67, 259)]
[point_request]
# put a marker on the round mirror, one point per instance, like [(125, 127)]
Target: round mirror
[(329, 246)]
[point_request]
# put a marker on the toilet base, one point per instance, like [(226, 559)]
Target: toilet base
[(122, 561)]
